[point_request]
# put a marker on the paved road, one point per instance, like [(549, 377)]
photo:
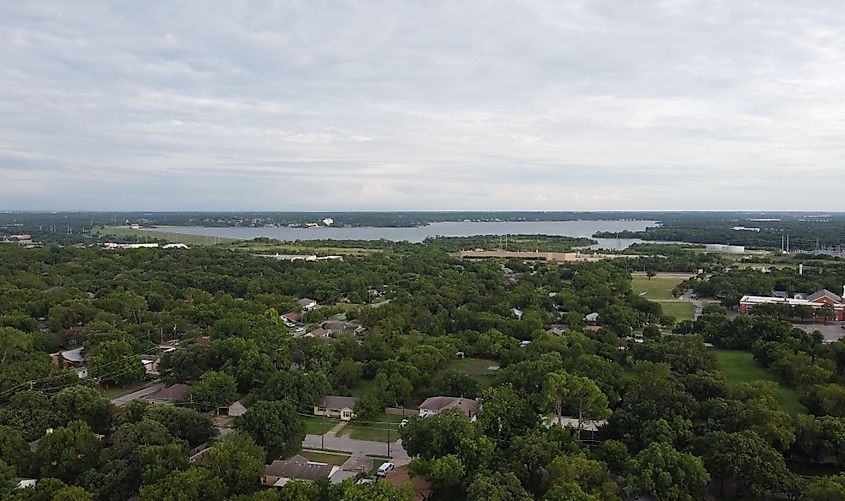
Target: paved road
[(397, 452), (135, 395)]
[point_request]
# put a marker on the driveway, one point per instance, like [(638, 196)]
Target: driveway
[(346, 444), (135, 395)]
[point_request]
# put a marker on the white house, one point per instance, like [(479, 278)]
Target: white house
[(307, 304)]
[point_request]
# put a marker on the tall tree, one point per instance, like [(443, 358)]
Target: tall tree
[(578, 394), (273, 425)]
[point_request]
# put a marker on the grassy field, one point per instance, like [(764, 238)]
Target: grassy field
[(740, 367), (325, 457), (318, 425), (475, 367), (162, 235), (658, 287), (377, 431), (678, 309)]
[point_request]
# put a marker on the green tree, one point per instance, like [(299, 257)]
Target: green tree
[(578, 394), (155, 462), (437, 435), (745, 459), (504, 413), (116, 363), (187, 424), (368, 407), (30, 412), (825, 489), (189, 485), (72, 493), (83, 403), (214, 389), (377, 491), (273, 425), (14, 449), (592, 476), (664, 473), (497, 486), (238, 461), (67, 452)]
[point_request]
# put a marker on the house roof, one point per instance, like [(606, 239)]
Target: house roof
[(319, 332), (402, 474), (824, 293), (74, 355), (467, 405), (204, 340), (292, 316), (173, 392), (298, 469), (306, 301), (336, 402)]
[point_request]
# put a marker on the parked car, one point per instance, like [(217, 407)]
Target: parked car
[(384, 469)]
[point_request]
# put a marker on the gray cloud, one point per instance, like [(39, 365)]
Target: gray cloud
[(318, 105)]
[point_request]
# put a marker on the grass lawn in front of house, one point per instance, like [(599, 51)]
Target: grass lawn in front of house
[(318, 425), (376, 431)]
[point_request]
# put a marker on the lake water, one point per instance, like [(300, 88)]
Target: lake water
[(419, 233)]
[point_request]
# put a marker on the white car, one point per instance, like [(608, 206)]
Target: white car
[(384, 469)]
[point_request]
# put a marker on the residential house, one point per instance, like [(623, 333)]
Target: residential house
[(203, 340), (434, 405), (150, 363), (336, 407), (24, 483), (307, 304), (74, 357), (169, 394), (402, 474), (590, 428), (278, 473), (320, 333), (236, 409)]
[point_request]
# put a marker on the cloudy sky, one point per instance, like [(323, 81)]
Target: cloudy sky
[(399, 104)]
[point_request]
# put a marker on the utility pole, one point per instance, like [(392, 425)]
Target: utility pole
[(388, 440)]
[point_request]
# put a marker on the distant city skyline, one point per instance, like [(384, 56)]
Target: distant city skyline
[(410, 105)]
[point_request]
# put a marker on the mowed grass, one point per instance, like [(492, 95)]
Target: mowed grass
[(740, 367), (376, 431), (163, 235), (325, 457), (475, 367), (681, 310), (655, 289), (318, 425)]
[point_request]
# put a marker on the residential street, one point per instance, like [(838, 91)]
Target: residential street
[(333, 442), (135, 395)]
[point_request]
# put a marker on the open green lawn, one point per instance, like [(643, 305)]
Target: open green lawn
[(656, 288), (325, 457), (376, 431), (117, 391), (678, 309), (475, 367), (170, 236), (740, 367), (318, 425)]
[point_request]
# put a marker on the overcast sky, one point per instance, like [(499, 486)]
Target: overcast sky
[(370, 105)]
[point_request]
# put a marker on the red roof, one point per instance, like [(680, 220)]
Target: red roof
[(204, 340)]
